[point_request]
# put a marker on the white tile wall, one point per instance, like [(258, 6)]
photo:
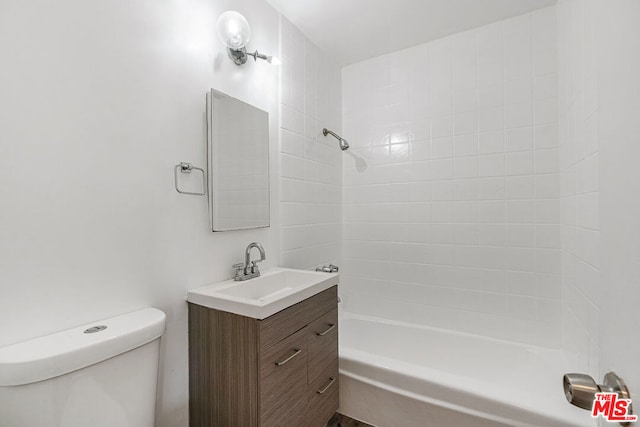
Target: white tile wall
[(451, 188), (310, 164), (579, 182)]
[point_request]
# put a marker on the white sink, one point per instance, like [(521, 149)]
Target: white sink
[(259, 298)]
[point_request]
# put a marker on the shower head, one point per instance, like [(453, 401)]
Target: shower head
[(343, 142)]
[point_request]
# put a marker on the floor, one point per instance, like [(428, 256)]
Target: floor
[(340, 420)]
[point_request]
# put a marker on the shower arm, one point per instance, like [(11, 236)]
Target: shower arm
[(325, 131), (343, 142)]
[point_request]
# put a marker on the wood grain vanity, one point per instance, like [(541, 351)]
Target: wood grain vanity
[(276, 372)]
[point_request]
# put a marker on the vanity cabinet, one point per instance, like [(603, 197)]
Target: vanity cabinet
[(276, 372)]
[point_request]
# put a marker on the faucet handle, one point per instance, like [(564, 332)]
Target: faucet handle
[(254, 266), (239, 267), (331, 268)]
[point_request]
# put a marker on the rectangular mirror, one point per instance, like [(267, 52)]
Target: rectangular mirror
[(238, 163)]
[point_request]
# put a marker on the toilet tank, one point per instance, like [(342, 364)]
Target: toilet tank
[(85, 376)]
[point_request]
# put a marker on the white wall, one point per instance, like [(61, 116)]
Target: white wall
[(579, 166), (311, 164), (100, 99), (451, 209), (618, 45)]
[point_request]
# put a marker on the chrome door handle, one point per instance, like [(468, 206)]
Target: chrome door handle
[(296, 352), (580, 389), (325, 388), (331, 326)]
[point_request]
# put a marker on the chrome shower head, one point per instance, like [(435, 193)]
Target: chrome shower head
[(343, 142)]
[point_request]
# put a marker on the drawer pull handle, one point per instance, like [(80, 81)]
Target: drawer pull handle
[(321, 334), (296, 352), (325, 388)]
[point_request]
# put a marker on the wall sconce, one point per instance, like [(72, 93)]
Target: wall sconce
[(234, 31)]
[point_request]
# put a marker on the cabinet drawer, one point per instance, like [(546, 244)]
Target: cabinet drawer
[(323, 397), (323, 343), (282, 324), (283, 385)]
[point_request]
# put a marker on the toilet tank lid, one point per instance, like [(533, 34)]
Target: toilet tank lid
[(57, 354)]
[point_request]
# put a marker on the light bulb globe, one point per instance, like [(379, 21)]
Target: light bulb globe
[(233, 30)]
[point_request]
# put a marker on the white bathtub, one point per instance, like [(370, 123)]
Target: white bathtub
[(401, 375)]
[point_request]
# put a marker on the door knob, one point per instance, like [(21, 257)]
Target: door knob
[(580, 389)]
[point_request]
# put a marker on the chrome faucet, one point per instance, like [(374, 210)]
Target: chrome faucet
[(249, 269)]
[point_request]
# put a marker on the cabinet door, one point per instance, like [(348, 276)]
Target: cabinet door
[(322, 340), (283, 382), (323, 397), (323, 343)]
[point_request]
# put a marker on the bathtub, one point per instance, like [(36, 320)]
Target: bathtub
[(401, 375)]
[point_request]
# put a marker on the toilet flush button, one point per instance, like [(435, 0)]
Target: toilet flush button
[(94, 329)]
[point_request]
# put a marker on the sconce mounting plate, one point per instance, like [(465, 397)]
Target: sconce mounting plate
[(239, 56)]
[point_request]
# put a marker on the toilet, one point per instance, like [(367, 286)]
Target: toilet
[(102, 374)]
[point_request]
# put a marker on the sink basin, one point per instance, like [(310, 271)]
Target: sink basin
[(259, 298)]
